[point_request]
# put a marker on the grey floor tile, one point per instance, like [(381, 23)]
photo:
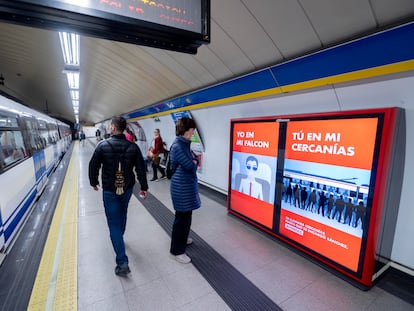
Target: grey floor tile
[(111, 303), (187, 285), (151, 296), (209, 302)]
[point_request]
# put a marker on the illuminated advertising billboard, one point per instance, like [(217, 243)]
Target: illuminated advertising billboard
[(326, 178), (253, 175), (328, 167)]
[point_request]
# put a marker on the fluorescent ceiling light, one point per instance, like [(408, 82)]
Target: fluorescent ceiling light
[(69, 43), (74, 94), (73, 79)]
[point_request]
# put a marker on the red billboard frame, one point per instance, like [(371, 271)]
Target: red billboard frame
[(381, 162)]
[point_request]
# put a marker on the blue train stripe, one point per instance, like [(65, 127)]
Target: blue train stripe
[(387, 52), (18, 217), (28, 196)]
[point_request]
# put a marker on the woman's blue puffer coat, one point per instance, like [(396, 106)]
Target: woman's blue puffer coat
[(184, 182)]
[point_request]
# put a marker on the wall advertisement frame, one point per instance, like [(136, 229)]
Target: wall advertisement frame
[(317, 182)]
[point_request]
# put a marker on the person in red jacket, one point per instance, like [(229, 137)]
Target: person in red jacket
[(157, 151)]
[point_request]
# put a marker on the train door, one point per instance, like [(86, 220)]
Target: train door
[(37, 145)]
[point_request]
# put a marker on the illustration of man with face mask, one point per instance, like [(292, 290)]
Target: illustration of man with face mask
[(249, 185)]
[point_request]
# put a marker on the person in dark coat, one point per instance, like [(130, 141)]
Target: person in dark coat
[(184, 187), (289, 194), (360, 214), (303, 198), (110, 154)]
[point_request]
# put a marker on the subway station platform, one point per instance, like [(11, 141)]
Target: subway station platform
[(234, 266)]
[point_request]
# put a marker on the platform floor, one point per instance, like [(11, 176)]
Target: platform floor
[(268, 270)]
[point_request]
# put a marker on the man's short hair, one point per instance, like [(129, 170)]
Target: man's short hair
[(119, 123), (252, 158)]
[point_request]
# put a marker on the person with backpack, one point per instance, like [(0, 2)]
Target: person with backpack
[(118, 159), (184, 188)]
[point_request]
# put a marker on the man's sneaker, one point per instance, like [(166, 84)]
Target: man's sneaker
[(163, 177), (122, 269), (183, 258), (153, 179), (189, 241)]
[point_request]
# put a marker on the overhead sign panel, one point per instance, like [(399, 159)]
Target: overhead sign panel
[(178, 25)]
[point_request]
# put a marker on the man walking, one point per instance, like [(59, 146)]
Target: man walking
[(118, 157)]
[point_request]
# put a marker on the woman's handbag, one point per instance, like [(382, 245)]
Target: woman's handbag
[(156, 158)]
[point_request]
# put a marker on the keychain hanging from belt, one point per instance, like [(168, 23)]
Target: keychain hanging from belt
[(119, 173)]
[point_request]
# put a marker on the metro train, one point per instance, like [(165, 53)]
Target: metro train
[(31, 146)]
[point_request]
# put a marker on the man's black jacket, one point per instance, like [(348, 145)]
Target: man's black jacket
[(107, 155)]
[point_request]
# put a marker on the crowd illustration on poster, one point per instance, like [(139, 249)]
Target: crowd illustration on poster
[(322, 193)]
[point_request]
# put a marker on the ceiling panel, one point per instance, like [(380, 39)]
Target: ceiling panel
[(387, 14), (338, 20), (243, 28), (213, 64), (286, 24), (246, 35), (228, 51)]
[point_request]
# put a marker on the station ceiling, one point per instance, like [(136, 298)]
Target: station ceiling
[(246, 36)]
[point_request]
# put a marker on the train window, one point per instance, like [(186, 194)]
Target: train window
[(53, 133), (35, 140), (11, 147), (44, 133), (8, 121)]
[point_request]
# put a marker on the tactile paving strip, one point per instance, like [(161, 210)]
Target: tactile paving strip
[(55, 286), (233, 287)]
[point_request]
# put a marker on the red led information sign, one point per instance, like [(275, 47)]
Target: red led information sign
[(181, 14), (178, 25)]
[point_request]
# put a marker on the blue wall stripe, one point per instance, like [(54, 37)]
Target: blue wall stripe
[(384, 48), (389, 47), (257, 81)]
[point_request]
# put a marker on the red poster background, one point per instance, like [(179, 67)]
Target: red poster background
[(255, 209), (359, 133), (262, 131), (347, 257)]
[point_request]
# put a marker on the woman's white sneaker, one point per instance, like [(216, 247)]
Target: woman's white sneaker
[(183, 258)]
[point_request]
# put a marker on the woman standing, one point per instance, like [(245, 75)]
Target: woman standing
[(184, 188), (157, 150)]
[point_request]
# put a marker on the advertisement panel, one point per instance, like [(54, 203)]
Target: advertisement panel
[(331, 178), (253, 170), (327, 170)]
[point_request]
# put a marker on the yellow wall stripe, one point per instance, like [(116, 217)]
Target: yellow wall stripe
[(55, 286)]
